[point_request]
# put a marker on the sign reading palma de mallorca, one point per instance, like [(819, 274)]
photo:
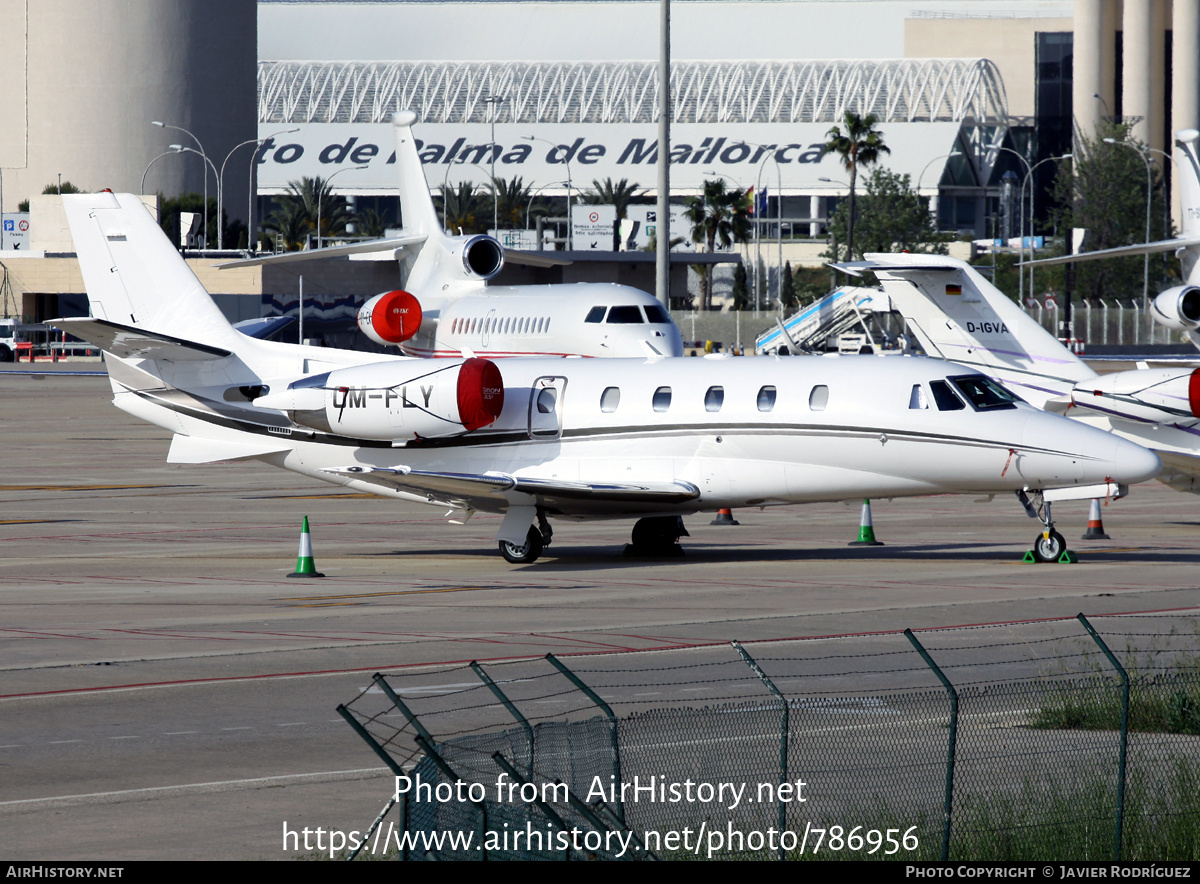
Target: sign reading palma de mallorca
[(548, 156)]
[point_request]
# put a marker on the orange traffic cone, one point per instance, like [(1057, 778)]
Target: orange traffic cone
[(1095, 528), (725, 517)]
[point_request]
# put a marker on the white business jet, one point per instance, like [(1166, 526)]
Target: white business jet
[(958, 315), (447, 309), (1179, 306), (535, 438)]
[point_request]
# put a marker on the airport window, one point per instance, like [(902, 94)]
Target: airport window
[(713, 398), (766, 398), (656, 313), (944, 397), (818, 398), (546, 400), (626, 315), (610, 399), (662, 399), (918, 399), (596, 314), (983, 393)]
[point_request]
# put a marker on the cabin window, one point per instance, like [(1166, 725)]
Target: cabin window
[(656, 313), (944, 397), (662, 399), (546, 400), (918, 399), (596, 314), (818, 398), (983, 393), (713, 398), (766, 398), (610, 399), (626, 315)]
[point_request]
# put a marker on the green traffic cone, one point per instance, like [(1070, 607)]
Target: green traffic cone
[(305, 566), (866, 530)]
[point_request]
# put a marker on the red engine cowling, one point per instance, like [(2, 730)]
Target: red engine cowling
[(391, 318), (480, 393)]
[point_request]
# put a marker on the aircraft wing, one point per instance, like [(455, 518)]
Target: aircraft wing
[(1180, 471), (1145, 248), (359, 248), (534, 259), (135, 343), (470, 489)]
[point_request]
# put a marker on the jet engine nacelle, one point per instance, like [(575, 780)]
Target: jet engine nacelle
[(391, 318), (482, 256), (1159, 395), (1178, 307), (396, 401)]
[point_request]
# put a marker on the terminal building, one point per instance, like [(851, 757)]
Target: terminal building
[(563, 92)]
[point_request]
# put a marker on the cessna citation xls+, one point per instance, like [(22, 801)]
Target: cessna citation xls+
[(541, 438)]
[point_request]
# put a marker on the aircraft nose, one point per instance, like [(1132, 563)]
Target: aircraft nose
[(1133, 463), (1084, 454)]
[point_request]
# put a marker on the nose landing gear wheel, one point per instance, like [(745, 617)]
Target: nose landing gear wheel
[(523, 554), (1049, 549)]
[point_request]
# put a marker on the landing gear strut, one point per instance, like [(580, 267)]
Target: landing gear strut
[(657, 536), (1049, 545), (536, 540)]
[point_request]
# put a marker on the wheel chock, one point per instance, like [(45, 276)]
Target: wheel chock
[(1029, 558), (1068, 558)]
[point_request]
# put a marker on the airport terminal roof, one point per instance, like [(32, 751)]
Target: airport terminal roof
[(963, 90)]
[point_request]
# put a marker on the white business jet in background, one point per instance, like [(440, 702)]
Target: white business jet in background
[(447, 309), (534, 439)]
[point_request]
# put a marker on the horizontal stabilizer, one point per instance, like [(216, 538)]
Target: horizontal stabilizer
[(192, 449), (359, 248), (534, 259), (1146, 248), (135, 343)]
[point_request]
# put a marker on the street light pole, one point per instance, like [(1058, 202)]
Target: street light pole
[(570, 241), (1149, 191), (182, 149), (221, 187), (326, 189), (162, 125), (492, 101)]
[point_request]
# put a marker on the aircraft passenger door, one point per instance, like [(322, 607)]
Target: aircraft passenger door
[(545, 408)]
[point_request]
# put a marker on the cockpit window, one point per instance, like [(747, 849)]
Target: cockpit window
[(983, 393), (918, 399), (656, 313), (944, 397), (596, 314), (627, 315)]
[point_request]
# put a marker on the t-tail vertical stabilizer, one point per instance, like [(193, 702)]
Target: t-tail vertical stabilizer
[(958, 315)]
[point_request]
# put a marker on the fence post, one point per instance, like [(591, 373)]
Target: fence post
[(1124, 732), (952, 748), (508, 704), (783, 738), (480, 806), (502, 763), (612, 720)]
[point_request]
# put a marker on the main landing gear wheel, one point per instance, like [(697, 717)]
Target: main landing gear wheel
[(523, 554), (657, 536), (1049, 548)]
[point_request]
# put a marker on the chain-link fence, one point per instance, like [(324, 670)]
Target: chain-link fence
[(1057, 739)]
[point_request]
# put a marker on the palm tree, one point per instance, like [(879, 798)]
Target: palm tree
[(462, 206), (296, 212), (512, 198), (861, 145), (620, 194), (718, 215)]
